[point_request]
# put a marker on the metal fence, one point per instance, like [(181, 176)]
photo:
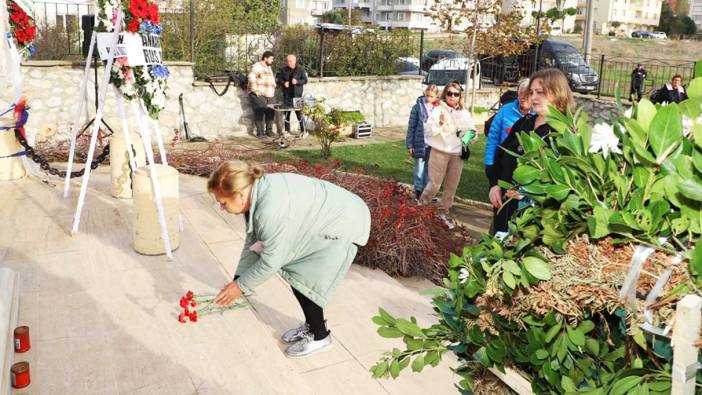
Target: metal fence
[(59, 28)]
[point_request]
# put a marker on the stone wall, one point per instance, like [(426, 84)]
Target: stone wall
[(598, 109), (53, 91)]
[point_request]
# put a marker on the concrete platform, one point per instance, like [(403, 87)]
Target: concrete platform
[(103, 319)]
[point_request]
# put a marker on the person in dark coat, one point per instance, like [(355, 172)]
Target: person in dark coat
[(547, 87), (416, 142), (638, 79), (292, 78), (672, 92)]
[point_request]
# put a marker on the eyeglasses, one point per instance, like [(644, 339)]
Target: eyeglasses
[(453, 94)]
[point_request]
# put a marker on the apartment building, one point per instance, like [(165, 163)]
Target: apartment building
[(303, 12), (393, 14), (622, 16), (696, 13)]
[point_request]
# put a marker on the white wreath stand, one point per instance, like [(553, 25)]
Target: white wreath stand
[(145, 125)]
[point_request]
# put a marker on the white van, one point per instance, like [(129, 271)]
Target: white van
[(448, 70)]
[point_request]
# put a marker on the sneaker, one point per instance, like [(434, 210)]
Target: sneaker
[(295, 334), (447, 220), (417, 195), (435, 200), (308, 346)]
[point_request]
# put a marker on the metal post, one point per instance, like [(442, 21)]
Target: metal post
[(599, 78), (349, 7), (321, 52), (590, 22), (538, 35), (421, 50), (192, 31)]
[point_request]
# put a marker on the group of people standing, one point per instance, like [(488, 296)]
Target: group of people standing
[(262, 84), (436, 127), (671, 92)]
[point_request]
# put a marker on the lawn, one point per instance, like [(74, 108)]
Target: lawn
[(391, 160)]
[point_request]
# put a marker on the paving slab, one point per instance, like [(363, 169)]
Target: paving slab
[(103, 319)]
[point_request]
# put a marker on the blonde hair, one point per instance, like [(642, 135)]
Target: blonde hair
[(523, 86), (233, 176), (457, 87), (431, 88), (556, 88)]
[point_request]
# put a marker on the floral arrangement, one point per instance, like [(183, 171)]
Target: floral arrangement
[(194, 306), (547, 299), (148, 83), (23, 28)]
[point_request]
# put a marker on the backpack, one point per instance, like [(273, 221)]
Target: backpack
[(507, 97)]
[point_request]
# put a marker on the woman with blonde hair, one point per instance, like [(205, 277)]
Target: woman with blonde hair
[(444, 129), (304, 229), (416, 141), (547, 88)]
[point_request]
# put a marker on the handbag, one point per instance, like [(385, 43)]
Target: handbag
[(465, 152)]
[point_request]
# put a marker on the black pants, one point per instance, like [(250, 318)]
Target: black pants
[(314, 316), (261, 111), (503, 215), (638, 90), (298, 114)]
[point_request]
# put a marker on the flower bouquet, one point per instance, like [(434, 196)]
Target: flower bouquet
[(146, 82), (23, 29), (194, 306)]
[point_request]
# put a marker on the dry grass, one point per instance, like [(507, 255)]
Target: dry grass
[(673, 50)]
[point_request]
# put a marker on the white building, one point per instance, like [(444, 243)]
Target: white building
[(565, 25), (303, 12), (393, 14), (623, 16), (696, 13)]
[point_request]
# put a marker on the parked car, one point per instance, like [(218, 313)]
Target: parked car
[(435, 55), (552, 54), (640, 34), (409, 66), (453, 69), (658, 35)]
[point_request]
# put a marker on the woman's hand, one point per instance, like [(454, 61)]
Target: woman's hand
[(228, 294), (495, 196), (257, 247), (512, 194), (442, 119)]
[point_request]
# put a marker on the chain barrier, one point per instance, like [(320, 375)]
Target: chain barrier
[(44, 164)]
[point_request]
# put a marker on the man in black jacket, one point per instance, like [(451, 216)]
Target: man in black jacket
[(670, 93), (292, 78), (638, 78)]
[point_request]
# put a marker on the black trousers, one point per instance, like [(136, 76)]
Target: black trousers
[(286, 122), (261, 111), (638, 90), (314, 316), (503, 215)]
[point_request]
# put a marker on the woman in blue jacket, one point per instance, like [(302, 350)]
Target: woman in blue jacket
[(416, 142), (499, 130)]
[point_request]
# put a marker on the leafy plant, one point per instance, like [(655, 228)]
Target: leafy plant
[(327, 126), (545, 300)]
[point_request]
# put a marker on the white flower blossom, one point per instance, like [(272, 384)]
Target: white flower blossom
[(603, 139), (629, 112), (463, 275), (687, 125)]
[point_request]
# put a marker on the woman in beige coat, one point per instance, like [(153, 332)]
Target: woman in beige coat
[(444, 129)]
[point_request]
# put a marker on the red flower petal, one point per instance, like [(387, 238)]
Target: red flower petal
[(193, 303), (181, 317), (189, 295), (183, 302), (193, 316)]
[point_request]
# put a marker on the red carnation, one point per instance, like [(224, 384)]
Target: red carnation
[(193, 316), (186, 311), (193, 303), (133, 25), (153, 13), (189, 295), (30, 32), (19, 34), (184, 302), (139, 9), (181, 317)]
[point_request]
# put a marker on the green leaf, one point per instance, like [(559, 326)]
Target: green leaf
[(660, 386), (482, 357), (558, 191), (666, 131), (418, 364), (622, 386), (537, 268), (432, 358), (413, 344), (394, 369), (645, 112), (641, 175), (512, 267), (387, 317), (575, 336), (552, 332), (691, 189), (509, 279), (568, 384), (695, 264), (694, 90), (586, 326), (697, 133), (592, 346), (541, 353), (380, 369), (389, 333), (526, 174), (409, 328), (640, 339)]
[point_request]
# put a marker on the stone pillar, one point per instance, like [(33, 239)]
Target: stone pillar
[(10, 168), (147, 230), (120, 173)]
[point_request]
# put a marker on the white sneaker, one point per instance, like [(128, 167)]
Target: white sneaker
[(295, 334), (308, 346), (447, 220)]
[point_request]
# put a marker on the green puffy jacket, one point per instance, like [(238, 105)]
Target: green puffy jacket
[(310, 230)]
